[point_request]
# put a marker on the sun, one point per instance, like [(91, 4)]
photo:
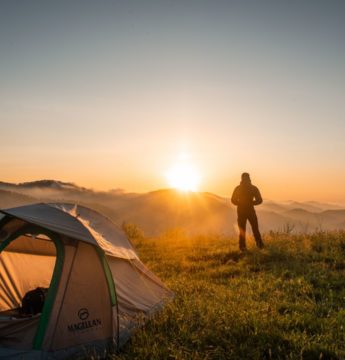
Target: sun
[(183, 177)]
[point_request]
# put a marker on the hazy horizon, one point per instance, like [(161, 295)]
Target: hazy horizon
[(135, 95), (182, 192)]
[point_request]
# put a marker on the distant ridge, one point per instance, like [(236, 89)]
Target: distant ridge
[(160, 210), (52, 184), (48, 183)]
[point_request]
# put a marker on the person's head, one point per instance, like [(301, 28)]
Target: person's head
[(245, 177)]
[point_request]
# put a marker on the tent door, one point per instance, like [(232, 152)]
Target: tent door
[(30, 258)]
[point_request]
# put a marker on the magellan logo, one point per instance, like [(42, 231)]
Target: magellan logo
[(83, 314), (84, 324)]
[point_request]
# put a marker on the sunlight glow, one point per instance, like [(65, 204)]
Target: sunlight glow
[(183, 177)]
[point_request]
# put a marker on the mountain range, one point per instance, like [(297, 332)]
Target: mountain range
[(162, 210)]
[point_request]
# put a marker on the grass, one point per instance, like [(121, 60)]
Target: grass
[(284, 302)]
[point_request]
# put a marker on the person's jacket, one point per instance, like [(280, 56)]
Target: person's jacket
[(246, 195)]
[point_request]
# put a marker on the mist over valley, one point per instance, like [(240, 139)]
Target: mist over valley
[(166, 209)]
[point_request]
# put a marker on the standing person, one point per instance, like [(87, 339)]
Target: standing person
[(245, 197)]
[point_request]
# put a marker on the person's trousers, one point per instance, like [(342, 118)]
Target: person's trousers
[(242, 217)]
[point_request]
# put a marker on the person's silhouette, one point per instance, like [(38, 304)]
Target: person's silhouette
[(245, 197)]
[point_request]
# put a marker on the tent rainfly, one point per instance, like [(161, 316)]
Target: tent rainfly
[(97, 291)]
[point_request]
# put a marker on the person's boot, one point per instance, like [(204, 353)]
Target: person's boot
[(260, 244), (243, 247)]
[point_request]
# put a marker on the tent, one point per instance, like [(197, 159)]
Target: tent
[(98, 290)]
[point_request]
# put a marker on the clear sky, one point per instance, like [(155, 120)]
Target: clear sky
[(112, 94)]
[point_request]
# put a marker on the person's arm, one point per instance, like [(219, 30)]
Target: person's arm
[(234, 197), (257, 197)]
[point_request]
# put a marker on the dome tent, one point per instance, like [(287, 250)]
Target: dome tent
[(98, 289)]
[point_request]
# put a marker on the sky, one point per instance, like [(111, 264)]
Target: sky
[(114, 94)]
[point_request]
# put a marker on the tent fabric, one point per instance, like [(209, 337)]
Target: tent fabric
[(32, 244), (69, 256), (93, 296), (136, 291), (18, 333), (108, 236), (52, 219), (21, 273), (99, 290), (94, 349)]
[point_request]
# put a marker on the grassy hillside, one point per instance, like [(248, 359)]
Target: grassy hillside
[(285, 302)]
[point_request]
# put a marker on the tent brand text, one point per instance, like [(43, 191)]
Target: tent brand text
[(84, 325)]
